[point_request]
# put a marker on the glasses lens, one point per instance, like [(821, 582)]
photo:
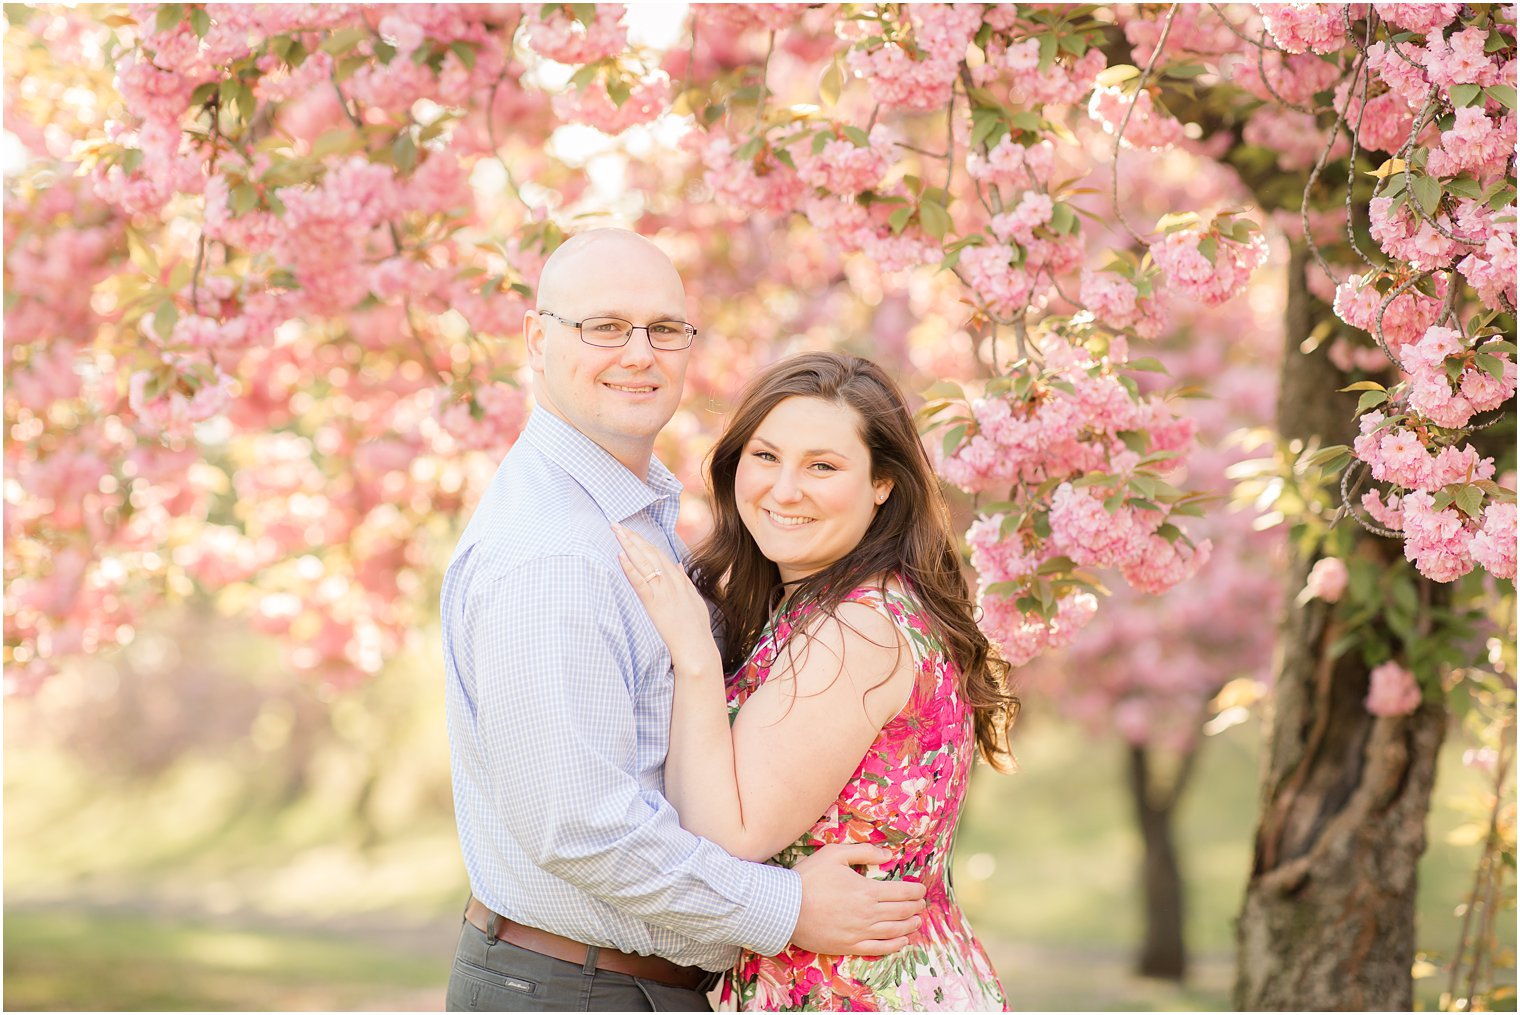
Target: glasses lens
[(606, 331), (670, 334)]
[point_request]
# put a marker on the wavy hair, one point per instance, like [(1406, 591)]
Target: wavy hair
[(909, 536)]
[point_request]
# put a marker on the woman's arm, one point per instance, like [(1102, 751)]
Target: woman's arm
[(753, 788)]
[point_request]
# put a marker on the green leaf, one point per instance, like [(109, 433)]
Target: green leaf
[(203, 93), (1062, 219), (583, 76), (1176, 220), (934, 218), (1470, 499), (1462, 187), (1047, 51), (404, 152), (899, 219), (584, 13), (855, 134), (1370, 399), (344, 39), (465, 52), (1363, 386), (335, 141), (1327, 454), (243, 199), (1027, 120), (1493, 365), (200, 22), (619, 91), (1465, 95), (169, 16), (748, 150), (953, 438), (1503, 94), (1185, 70), (1209, 248), (1427, 191), (831, 84), (1149, 364), (165, 317), (141, 254), (1116, 75)]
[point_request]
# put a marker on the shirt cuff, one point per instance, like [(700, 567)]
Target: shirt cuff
[(778, 902)]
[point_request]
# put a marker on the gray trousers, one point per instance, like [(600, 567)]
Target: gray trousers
[(497, 976)]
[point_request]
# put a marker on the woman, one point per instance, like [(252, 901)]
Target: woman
[(860, 686)]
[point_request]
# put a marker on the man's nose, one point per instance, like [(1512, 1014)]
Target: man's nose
[(637, 351)]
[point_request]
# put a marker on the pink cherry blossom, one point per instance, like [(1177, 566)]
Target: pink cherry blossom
[(1421, 18), (1193, 272), (1148, 126), (1327, 579), (1493, 547), (558, 35), (1393, 691), (1298, 27)]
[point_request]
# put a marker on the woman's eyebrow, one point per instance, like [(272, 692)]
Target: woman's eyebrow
[(810, 452)]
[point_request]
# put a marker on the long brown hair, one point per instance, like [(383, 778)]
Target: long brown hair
[(910, 535)]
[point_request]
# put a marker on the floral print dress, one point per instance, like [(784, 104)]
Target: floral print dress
[(907, 795)]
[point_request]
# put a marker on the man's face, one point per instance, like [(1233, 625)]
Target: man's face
[(621, 397)]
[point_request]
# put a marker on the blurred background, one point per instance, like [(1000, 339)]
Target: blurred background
[(226, 774), (192, 826)]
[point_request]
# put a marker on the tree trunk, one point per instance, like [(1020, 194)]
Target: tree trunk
[(1163, 954), (1328, 918)]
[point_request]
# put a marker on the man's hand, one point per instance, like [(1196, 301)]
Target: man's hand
[(845, 913)]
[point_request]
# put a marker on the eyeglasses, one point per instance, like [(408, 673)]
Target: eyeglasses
[(614, 333)]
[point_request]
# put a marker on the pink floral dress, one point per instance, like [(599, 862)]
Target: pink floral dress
[(906, 794)]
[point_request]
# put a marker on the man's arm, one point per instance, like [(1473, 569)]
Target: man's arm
[(556, 723)]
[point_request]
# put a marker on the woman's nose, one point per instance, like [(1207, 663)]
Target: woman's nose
[(786, 488)]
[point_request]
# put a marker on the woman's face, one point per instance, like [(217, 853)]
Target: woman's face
[(803, 485)]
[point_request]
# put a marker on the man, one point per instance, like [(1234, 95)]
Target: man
[(587, 893)]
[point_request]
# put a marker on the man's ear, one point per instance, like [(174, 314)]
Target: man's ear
[(533, 339)]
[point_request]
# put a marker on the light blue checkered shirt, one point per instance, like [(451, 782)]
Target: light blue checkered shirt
[(559, 693)]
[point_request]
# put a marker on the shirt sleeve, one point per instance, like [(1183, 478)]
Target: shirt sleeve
[(552, 653)]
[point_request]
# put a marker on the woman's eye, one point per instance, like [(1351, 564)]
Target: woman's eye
[(825, 466), (765, 456)]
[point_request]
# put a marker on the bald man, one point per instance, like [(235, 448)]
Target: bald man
[(586, 892)]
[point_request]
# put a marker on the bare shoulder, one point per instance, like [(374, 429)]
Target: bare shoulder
[(855, 652)]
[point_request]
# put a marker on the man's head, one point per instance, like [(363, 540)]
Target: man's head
[(619, 397)]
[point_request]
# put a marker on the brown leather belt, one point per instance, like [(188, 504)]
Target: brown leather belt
[(645, 967)]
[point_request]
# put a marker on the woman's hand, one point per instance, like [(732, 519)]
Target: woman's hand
[(678, 610)]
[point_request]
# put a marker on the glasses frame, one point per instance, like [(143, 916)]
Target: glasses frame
[(691, 332)]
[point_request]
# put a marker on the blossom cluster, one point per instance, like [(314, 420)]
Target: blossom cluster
[(1068, 423), (917, 71), (1206, 265)]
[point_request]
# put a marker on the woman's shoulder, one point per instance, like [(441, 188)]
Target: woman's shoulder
[(892, 595)]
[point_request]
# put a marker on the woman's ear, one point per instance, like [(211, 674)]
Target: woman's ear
[(883, 489)]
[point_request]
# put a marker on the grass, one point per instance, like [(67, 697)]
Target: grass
[(200, 901), (1052, 855), (78, 961)]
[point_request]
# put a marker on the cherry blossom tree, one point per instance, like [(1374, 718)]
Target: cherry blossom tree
[(264, 265)]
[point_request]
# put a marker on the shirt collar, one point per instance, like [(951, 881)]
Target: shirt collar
[(618, 492)]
